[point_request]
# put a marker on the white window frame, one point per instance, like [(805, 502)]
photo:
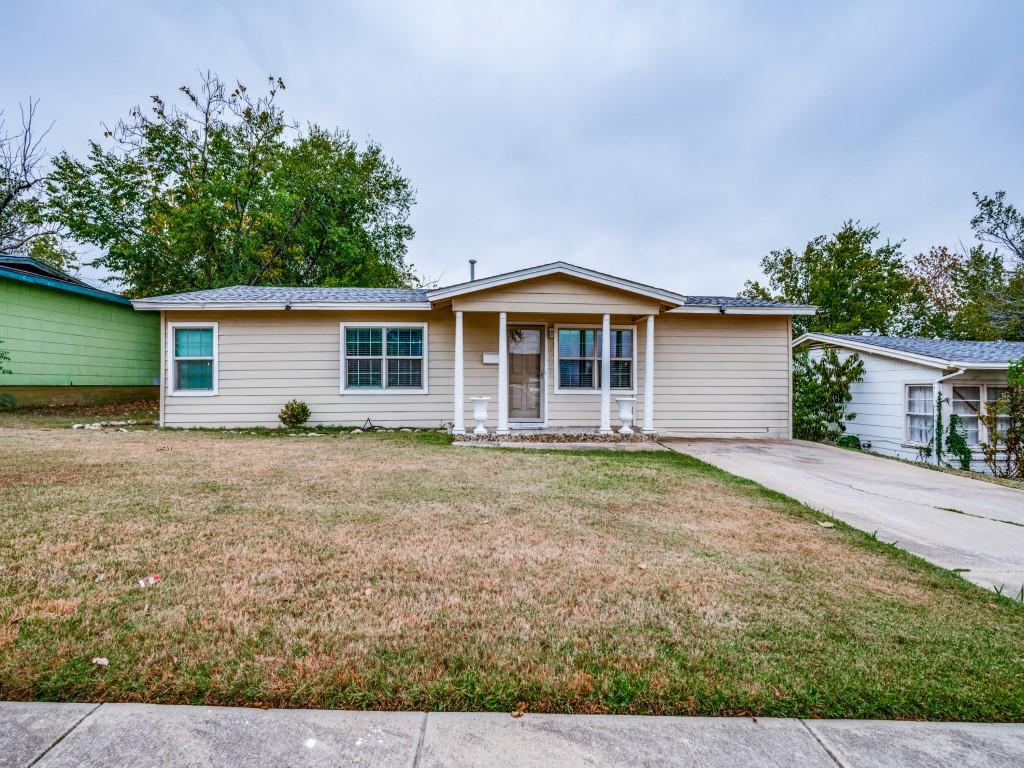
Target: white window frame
[(596, 390), (983, 387), (982, 435), (984, 403), (172, 369), (384, 389), (907, 414)]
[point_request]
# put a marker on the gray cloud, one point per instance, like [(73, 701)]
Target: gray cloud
[(675, 143)]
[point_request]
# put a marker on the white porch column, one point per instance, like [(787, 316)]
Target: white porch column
[(606, 375), (503, 373), (459, 424), (649, 378)]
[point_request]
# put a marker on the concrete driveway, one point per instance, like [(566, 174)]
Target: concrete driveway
[(953, 521)]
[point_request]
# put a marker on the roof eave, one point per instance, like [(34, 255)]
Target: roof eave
[(978, 366), (896, 354), (146, 304), (79, 288), (725, 309)]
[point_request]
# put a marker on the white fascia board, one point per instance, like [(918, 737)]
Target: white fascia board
[(558, 267), (981, 366), (279, 305), (715, 309)]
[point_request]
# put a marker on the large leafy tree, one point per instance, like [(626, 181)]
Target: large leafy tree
[(821, 393), (960, 291), (24, 225), (856, 285), (224, 191), (978, 294), (1000, 224)]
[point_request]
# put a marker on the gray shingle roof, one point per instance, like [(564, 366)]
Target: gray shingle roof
[(296, 296), (733, 301), (265, 293), (953, 351)]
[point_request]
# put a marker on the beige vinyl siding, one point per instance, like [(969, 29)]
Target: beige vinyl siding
[(555, 294), (714, 375), (721, 376), (268, 358)]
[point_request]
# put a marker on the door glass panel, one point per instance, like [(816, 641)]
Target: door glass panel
[(525, 381)]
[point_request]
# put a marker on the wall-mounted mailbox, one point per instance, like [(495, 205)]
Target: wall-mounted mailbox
[(490, 358)]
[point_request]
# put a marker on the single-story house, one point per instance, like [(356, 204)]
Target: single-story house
[(69, 342), (895, 403), (531, 340)]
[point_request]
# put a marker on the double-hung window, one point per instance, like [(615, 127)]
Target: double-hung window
[(920, 414), (967, 405), (384, 358), (579, 359), (193, 353), (992, 405)]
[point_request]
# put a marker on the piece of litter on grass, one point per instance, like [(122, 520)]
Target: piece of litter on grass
[(100, 661), (642, 566), (368, 592), (827, 525), (520, 709), (100, 577), (149, 581)]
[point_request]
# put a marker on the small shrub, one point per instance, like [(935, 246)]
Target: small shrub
[(821, 392), (294, 414), (849, 441), (1004, 424), (956, 442)]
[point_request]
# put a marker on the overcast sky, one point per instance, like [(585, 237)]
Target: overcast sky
[(673, 143)]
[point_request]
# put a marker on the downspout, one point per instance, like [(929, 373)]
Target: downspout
[(936, 393)]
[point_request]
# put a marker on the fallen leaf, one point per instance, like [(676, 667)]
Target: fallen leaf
[(520, 709)]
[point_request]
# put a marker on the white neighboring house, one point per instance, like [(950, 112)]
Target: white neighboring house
[(895, 403)]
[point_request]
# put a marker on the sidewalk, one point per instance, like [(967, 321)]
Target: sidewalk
[(137, 735)]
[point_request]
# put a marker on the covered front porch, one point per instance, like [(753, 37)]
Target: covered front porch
[(521, 373)]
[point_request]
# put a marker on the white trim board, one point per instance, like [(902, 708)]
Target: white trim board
[(726, 309)]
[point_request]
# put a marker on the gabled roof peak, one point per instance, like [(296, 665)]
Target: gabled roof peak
[(552, 268)]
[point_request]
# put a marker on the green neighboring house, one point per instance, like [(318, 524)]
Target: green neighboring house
[(72, 343)]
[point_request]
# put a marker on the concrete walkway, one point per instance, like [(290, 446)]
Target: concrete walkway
[(955, 522), (147, 736)]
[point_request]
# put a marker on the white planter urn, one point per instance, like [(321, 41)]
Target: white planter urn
[(480, 414), (626, 414)]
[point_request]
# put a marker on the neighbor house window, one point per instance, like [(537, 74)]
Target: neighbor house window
[(383, 357), (920, 414), (992, 405), (193, 358), (579, 358), (967, 405)]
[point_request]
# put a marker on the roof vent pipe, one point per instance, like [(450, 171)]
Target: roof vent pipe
[(472, 270)]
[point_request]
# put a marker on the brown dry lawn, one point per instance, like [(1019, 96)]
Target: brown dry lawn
[(395, 571)]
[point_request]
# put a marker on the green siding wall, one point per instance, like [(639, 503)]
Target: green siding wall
[(57, 338)]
